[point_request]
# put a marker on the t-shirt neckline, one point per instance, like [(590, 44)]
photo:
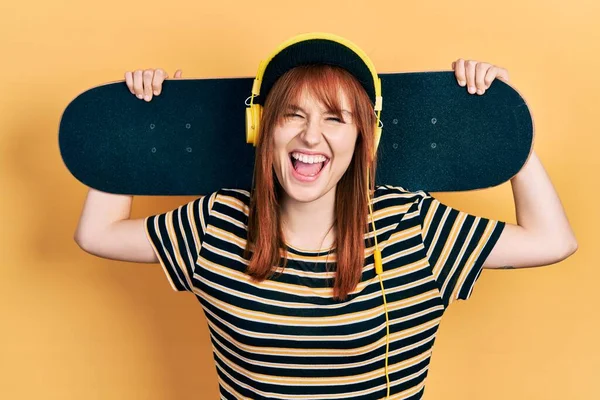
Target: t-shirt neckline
[(307, 252)]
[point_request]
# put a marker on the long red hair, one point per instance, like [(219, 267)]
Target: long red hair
[(265, 236)]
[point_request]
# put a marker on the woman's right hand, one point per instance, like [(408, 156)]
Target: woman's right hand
[(145, 83)]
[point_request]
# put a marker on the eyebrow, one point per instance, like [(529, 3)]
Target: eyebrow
[(295, 107)]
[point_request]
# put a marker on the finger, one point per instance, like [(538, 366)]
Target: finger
[(138, 83), (178, 74), (129, 81), (459, 72), (480, 72), (490, 75), (470, 72), (159, 77), (148, 75)]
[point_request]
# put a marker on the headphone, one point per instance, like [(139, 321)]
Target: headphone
[(253, 118), (254, 111)]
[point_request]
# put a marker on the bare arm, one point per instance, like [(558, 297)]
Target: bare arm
[(106, 231), (543, 235)]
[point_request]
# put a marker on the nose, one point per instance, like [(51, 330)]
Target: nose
[(312, 133)]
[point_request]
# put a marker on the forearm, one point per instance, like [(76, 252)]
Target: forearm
[(538, 206)]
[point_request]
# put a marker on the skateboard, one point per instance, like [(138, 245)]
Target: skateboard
[(191, 140)]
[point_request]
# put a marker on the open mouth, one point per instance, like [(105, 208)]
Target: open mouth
[(307, 167)]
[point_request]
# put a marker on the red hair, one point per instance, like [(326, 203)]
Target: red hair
[(265, 236)]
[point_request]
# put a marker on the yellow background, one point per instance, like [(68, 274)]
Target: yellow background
[(74, 326)]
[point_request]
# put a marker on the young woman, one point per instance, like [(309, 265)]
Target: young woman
[(285, 271)]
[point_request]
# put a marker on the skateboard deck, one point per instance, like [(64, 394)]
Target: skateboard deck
[(191, 140)]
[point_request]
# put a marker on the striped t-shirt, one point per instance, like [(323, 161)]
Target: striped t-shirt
[(286, 337)]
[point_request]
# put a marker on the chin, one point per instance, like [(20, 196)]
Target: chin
[(304, 194)]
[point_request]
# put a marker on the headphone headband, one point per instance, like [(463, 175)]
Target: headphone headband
[(319, 47)]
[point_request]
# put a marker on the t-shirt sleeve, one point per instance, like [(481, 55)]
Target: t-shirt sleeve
[(177, 236), (457, 245)]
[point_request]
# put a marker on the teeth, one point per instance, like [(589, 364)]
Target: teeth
[(308, 159)]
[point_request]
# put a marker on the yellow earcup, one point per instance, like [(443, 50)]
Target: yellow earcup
[(253, 115)]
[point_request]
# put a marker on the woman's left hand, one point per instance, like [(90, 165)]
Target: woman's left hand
[(478, 76)]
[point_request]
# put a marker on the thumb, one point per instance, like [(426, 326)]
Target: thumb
[(503, 74), (177, 74)]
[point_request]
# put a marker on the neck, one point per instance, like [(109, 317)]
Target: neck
[(309, 225)]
